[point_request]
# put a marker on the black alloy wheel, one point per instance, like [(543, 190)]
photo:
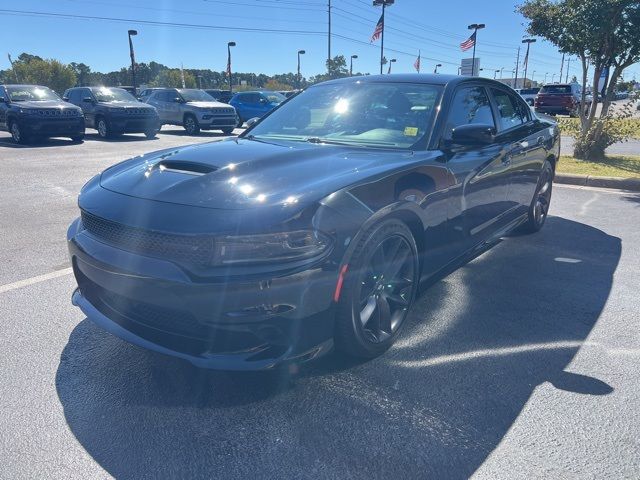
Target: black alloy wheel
[(191, 125), (539, 208), (380, 288)]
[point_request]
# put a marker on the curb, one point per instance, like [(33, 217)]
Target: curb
[(602, 182)]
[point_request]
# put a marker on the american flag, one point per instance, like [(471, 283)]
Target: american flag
[(378, 31), (468, 43), (416, 64)]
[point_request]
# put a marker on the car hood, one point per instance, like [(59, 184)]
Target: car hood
[(45, 104), (126, 105), (212, 104), (240, 174)]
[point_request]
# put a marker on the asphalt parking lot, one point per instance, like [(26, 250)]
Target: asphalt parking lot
[(521, 364)]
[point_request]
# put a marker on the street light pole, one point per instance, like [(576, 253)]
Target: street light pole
[(495, 73), (392, 61), (475, 27), (351, 65), (300, 52), (132, 33), (528, 41), (384, 3), (229, 45), (545, 77), (435, 70)]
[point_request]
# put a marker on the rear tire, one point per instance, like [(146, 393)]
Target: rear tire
[(228, 131), (190, 125), (539, 208), (378, 290), (77, 138)]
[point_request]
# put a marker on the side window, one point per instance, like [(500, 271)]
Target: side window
[(470, 105), (510, 112)]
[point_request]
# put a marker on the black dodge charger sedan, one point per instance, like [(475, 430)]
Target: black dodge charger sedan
[(315, 227)]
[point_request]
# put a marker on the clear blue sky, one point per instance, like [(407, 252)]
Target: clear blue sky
[(434, 27)]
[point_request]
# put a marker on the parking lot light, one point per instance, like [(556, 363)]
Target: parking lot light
[(351, 64), (435, 70), (132, 33), (298, 78), (495, 73), (229, 45), (391, 62)]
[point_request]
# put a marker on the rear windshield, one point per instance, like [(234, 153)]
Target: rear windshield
[(556, 89), (529, 91)]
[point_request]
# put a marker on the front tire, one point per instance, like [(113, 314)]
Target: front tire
[(77, 138), (17, 134), (379, 288), (227, 131), (102, 126), (190, 125), (151, 134), (539, 207)]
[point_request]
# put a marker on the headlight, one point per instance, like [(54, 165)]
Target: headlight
[(273, 247)]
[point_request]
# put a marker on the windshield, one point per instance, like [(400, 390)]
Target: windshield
[(393, 115), (194, 95), (556, 89), (31, 93), (113, 95), (275, 97)]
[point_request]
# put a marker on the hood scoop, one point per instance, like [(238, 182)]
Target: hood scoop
[(187, 168)]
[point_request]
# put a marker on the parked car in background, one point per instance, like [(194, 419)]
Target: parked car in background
[(314, 228), (114, 111), (29, 112), (529, 94), (255, 104), (220, 95), (289, 93), (561, 98), (145, 93), (194, 109)]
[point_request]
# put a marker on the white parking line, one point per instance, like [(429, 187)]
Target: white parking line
[(33, 280)]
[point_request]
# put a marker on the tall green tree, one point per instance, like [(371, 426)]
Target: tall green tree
[(48, 72), (601, 33)]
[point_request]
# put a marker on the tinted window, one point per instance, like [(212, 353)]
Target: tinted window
[(470, 105), (31, 93), (556, 89), (510, 112)]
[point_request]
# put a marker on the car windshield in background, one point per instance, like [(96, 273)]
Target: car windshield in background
[(393, 115), (113, 95), (275, 97), (31, 93), (556, 89), (529, 91), (194, 95)]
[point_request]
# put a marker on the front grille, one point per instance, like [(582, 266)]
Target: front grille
[(192, 249), (57, 112), (139, 111), (223, 111)]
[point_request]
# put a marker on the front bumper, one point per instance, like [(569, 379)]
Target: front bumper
[(53, 127), (209, 121), (134, 124), (221, 323)]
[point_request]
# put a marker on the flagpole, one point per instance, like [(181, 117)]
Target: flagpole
[(384, 3)]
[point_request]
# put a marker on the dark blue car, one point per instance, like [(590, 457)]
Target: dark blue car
[(316, 226), (255, 104)]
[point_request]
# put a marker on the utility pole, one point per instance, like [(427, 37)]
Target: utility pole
[(515, 80), (384, 3), (567, 77), (329, 33), (15, 74), (561, 66)]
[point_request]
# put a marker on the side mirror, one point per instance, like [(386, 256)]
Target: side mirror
[(3, 100), (473, 134), (87, 100), (252, 121), (263, 100), (177, 100)]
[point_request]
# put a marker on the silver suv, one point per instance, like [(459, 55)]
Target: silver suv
[(194, 109)]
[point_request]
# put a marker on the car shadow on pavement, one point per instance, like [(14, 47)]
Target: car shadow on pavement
[(203, 133), (124, 138), (477, 344)]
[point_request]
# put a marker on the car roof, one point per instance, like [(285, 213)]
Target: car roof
[(431, 79)]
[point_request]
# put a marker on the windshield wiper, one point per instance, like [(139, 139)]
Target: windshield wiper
[(332, 142)]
